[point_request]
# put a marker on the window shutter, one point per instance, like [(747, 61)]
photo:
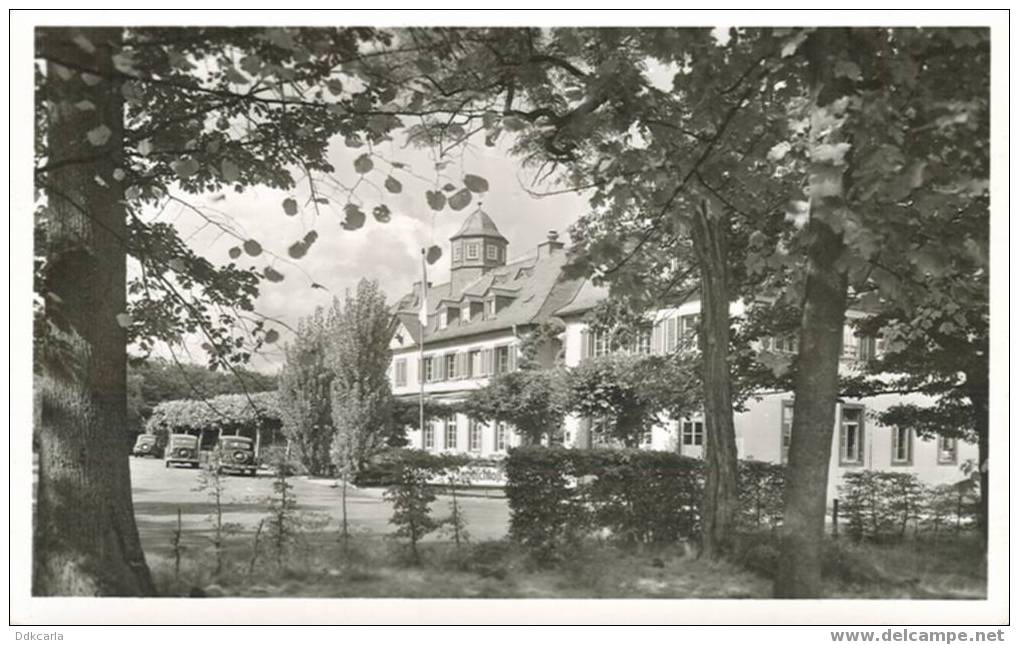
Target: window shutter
[(585, 350), (486, 362), (656, 339), (512, 358), (421, 370)]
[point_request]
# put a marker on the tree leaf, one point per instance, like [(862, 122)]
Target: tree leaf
[(272, 336), (310, 237), (99, 135), (234, 252), (363, 164), (381, 213), (460, 200), (448, 188), (476, 184), (334, 86), (272, 275), (392, 184), (354, 219), (252, 248), (84, 43), (230, 171), (297, 250), (290, 206), (124, 320), (436, 200), (513, 123), (177, 264), (184, 168), (433, 254)]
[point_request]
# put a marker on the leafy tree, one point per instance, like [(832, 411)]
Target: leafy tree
[(165, 380), (129, 118), (359, 332), (227, 413), (305, 392), (533, 401), (632, 393)]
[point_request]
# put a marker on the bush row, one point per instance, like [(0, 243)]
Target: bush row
[(880, 505), (557, 496)]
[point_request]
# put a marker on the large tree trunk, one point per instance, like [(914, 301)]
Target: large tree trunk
[(85, 537), (816, 385), (721, 496)]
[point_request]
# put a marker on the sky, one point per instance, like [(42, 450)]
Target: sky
[(390, 252)]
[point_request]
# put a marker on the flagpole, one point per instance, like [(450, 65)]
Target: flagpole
[(423, 319)]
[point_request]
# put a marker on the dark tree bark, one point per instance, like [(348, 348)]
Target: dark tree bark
[(721, 496), (85, 538), (816, 384)]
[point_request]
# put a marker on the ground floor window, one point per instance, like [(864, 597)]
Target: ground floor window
[(851, 436), (451, 431), (948, 450), (902, 446), (500, 437), (473, 436), (429, 439), (787, 429), (645, 439), (692, 433)]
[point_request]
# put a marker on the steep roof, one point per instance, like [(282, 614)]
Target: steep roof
[(584, 298), (478, 224), (539, 289)]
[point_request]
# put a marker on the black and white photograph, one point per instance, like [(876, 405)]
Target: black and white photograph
[(454, 305)]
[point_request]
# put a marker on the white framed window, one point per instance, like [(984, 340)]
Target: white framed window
[(430, 369), (472, 251), (902, 446), (451, 372), (788, 344), (474, 360), (787, 429), (473, 435), (642, 344), (491, 252), (451, 432), (851, 436), (866, 348), (400, 372), (502, 359), (692, 432), (688, 324), (429, 439), (948, 450), (600, 345), (500, 436), (457, 252)]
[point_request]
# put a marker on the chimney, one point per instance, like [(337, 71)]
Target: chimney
[(550, 246)]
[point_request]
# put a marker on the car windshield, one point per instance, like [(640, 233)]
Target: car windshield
[(236, 443), (184, 440), (146, 438)]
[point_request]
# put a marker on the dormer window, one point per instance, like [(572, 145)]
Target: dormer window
[(491, 308), (472, 251)]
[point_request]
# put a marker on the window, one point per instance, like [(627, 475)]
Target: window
[(787, 344), (866, 348), (600, 343), (693, 433), (502, 359), (671, 331), (457, 253), (645, 438), (500, 436), (429, 369), (492, 252), (429, 435), (688, 325), (400, 372), (491, 308), (474, 358), (472, 251), (851, 436), (787, 429), (902, 446), (642, 344), (473, 436), (451, 431), (451, 372), (948, 450)]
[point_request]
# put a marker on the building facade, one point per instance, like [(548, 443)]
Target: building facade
[(471, 329)]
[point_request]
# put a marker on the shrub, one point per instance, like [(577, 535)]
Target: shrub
[(760, 495), (879, 505), (950, 507), (556, 496)]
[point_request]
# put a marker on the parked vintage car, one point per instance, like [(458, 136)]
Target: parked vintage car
[(148, 445), (182, 449), (237, 455)]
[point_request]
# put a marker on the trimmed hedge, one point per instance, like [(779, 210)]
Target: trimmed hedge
[(557, 496)]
